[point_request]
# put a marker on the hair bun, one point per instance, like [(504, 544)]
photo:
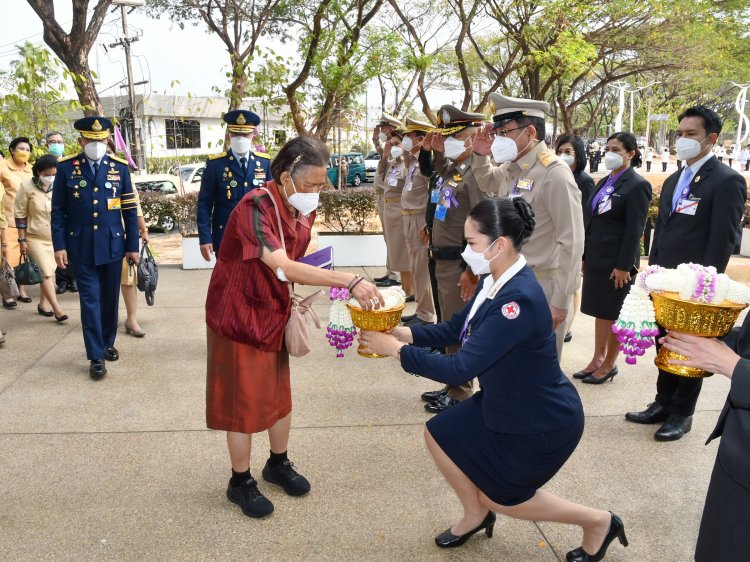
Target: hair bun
[(527, 215)]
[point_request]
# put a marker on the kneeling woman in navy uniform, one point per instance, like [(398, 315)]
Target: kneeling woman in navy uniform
[(499, 447)]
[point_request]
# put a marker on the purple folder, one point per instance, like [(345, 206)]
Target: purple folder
[(322, 258)]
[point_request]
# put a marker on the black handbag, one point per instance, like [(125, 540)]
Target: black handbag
[(148, 274), (27, 272)]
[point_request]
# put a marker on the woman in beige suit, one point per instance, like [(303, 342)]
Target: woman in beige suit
[(33, 205), (3, 244)]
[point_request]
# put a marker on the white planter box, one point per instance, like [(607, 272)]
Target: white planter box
[(745, 244), (191, 255), (354, 249)]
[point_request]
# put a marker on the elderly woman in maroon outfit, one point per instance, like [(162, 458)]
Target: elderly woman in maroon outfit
[(247, 308)]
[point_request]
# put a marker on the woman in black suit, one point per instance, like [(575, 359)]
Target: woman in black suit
[(570, 149), (614, 218)]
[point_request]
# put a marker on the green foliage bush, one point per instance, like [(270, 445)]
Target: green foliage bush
[(166, 164), (349, 210), (183, 208)]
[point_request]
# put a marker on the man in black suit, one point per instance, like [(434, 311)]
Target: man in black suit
[(699, 210)]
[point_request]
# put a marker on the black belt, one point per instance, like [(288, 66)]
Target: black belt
[(450, 253)]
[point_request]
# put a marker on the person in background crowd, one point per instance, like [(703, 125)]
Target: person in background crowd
[(699, 210), (593, 157), (649, 158), (13, 171), (248, 381), (730, 155), (3, 245), (33, 206), (664, 158), (744, 158), (570, 149), (720, 152), (498, 448), (614, 220), (55, 144)]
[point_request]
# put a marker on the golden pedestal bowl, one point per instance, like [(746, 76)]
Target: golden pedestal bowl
[(695, 318), (375, 321)]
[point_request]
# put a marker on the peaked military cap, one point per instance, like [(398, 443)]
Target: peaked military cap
[(412, 125), (94, 127), (452, 120), (506, 108), (241, 121), (386, 119)]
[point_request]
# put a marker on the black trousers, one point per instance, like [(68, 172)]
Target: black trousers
[(675, 393), (663, 166), (648, 166)]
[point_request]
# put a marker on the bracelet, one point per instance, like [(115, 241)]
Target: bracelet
[(357, 282), (352, 282), (4, 245), (21, 240)]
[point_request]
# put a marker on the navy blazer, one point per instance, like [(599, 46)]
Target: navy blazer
[(222, 186), (709, 236), (95, 219), (511, 349), (613, 239)]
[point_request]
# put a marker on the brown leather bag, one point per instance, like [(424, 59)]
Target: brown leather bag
[(297, 331)]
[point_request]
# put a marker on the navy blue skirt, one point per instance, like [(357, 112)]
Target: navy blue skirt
[(507, 468)]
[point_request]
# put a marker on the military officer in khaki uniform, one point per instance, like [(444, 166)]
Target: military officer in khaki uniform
[(530, 170), (381, 135), (414, 198), (455, 193)]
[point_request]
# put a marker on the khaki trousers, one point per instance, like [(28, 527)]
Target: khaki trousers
[(546, 279), (380, 200), (413, 228)]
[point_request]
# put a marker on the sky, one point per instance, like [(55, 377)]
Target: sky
[(164, 53)]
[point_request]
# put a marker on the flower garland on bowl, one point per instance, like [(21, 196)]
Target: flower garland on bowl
[(341, 331)]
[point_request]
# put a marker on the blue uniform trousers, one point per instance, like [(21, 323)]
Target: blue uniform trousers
[(99, 292)]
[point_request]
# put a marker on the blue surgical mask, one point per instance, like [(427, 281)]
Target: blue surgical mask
[(57, 149)]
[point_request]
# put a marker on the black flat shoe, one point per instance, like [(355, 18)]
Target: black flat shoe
[(408, 318), (674, 428), (381, 279), (62, 318), (446, 539), (655, 413), (410, 298), (110, 354), (433, 395), (441, 404), (388, 283), (97, 370), (10, 304), (582, 374), (591, 379), (568, 337), (249, 498), (616, 531), (27, 300), (73, 287), (47, 313)]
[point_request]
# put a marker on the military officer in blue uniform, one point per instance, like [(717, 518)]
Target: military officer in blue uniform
[(228, 177), (95, 225)]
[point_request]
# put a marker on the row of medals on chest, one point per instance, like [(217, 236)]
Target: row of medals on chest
[(228, 176), (112, 176)]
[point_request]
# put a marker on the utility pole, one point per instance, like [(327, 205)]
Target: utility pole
[(135, 121)]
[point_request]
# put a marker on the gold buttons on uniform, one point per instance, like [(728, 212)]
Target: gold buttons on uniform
[(96, 189), (96, 215), (96, 202), (221, 226), (96, 227)]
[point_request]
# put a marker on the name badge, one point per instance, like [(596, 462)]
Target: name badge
[(440, 212), (435, 196), (113, 204), (687, 206), (605, 206), (525, 183)]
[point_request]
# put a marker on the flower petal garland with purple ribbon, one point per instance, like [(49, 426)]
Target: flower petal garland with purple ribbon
[(341, 331)]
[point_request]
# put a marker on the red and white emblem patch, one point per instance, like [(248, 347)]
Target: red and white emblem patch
[(511, 310)]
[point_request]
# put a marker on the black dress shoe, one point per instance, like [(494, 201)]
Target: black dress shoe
[(655, 413), (249, 498), (381, 279), (284, 475), (446, 539), (408, 318), (60, 289), (568, 337), (591, 379), (433, 395), (73, 287), (27, 300), (97, 369), (410, 298), (11, 304), (441, 404), (674, 428), (110, 354), (388, 283), (416, 322), (582, 374), (616, 531), (47, 313)]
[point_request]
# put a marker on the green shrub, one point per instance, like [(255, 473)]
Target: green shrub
[(156, 206), (166, 164), (186, 212), (350, 210)]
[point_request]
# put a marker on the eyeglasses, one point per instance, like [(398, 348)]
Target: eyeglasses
[(504, 132)]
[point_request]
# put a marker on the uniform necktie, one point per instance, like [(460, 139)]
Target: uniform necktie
[(683, 187), (243, 164), (96, 168)]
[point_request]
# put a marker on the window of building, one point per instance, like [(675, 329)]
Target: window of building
[(183, 133)]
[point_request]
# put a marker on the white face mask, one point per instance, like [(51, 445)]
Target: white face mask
[(569, 159), (407, 144), (382, 137), (504, 149), (95, 150), (47, 180), (687, 148), (305, 203), (240, 145), (613, 161), (476, 261), (454, 148), (396, 152)]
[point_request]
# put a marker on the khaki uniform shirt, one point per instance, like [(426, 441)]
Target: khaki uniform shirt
[(11, 175), (35, 206), (379, 180), (393, 180), (557, 241), (415, 195)]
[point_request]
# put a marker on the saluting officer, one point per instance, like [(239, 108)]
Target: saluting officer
[(94, 226), (531, 170), (455, 193), (228, 177)]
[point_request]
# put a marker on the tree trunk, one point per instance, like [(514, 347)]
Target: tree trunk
[(239, 82), (84, 84)]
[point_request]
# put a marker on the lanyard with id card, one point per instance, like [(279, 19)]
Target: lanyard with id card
[(687, 206)]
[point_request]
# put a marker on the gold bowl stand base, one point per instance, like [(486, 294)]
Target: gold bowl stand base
[(662, 361), (363, 351)]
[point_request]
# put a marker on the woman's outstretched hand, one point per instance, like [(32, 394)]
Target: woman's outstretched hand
[(368, 296)]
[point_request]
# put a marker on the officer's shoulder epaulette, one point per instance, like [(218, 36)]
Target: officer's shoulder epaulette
[(118, 159), (263, 155), (64, 158), (547, 157), (217, 155)]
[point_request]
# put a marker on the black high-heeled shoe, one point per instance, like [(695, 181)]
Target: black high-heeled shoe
[(47, 313), (446, 539), (616, 530)]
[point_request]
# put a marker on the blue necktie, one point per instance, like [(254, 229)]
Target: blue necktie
[(243, 164), (683, 187), (96, 168)]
